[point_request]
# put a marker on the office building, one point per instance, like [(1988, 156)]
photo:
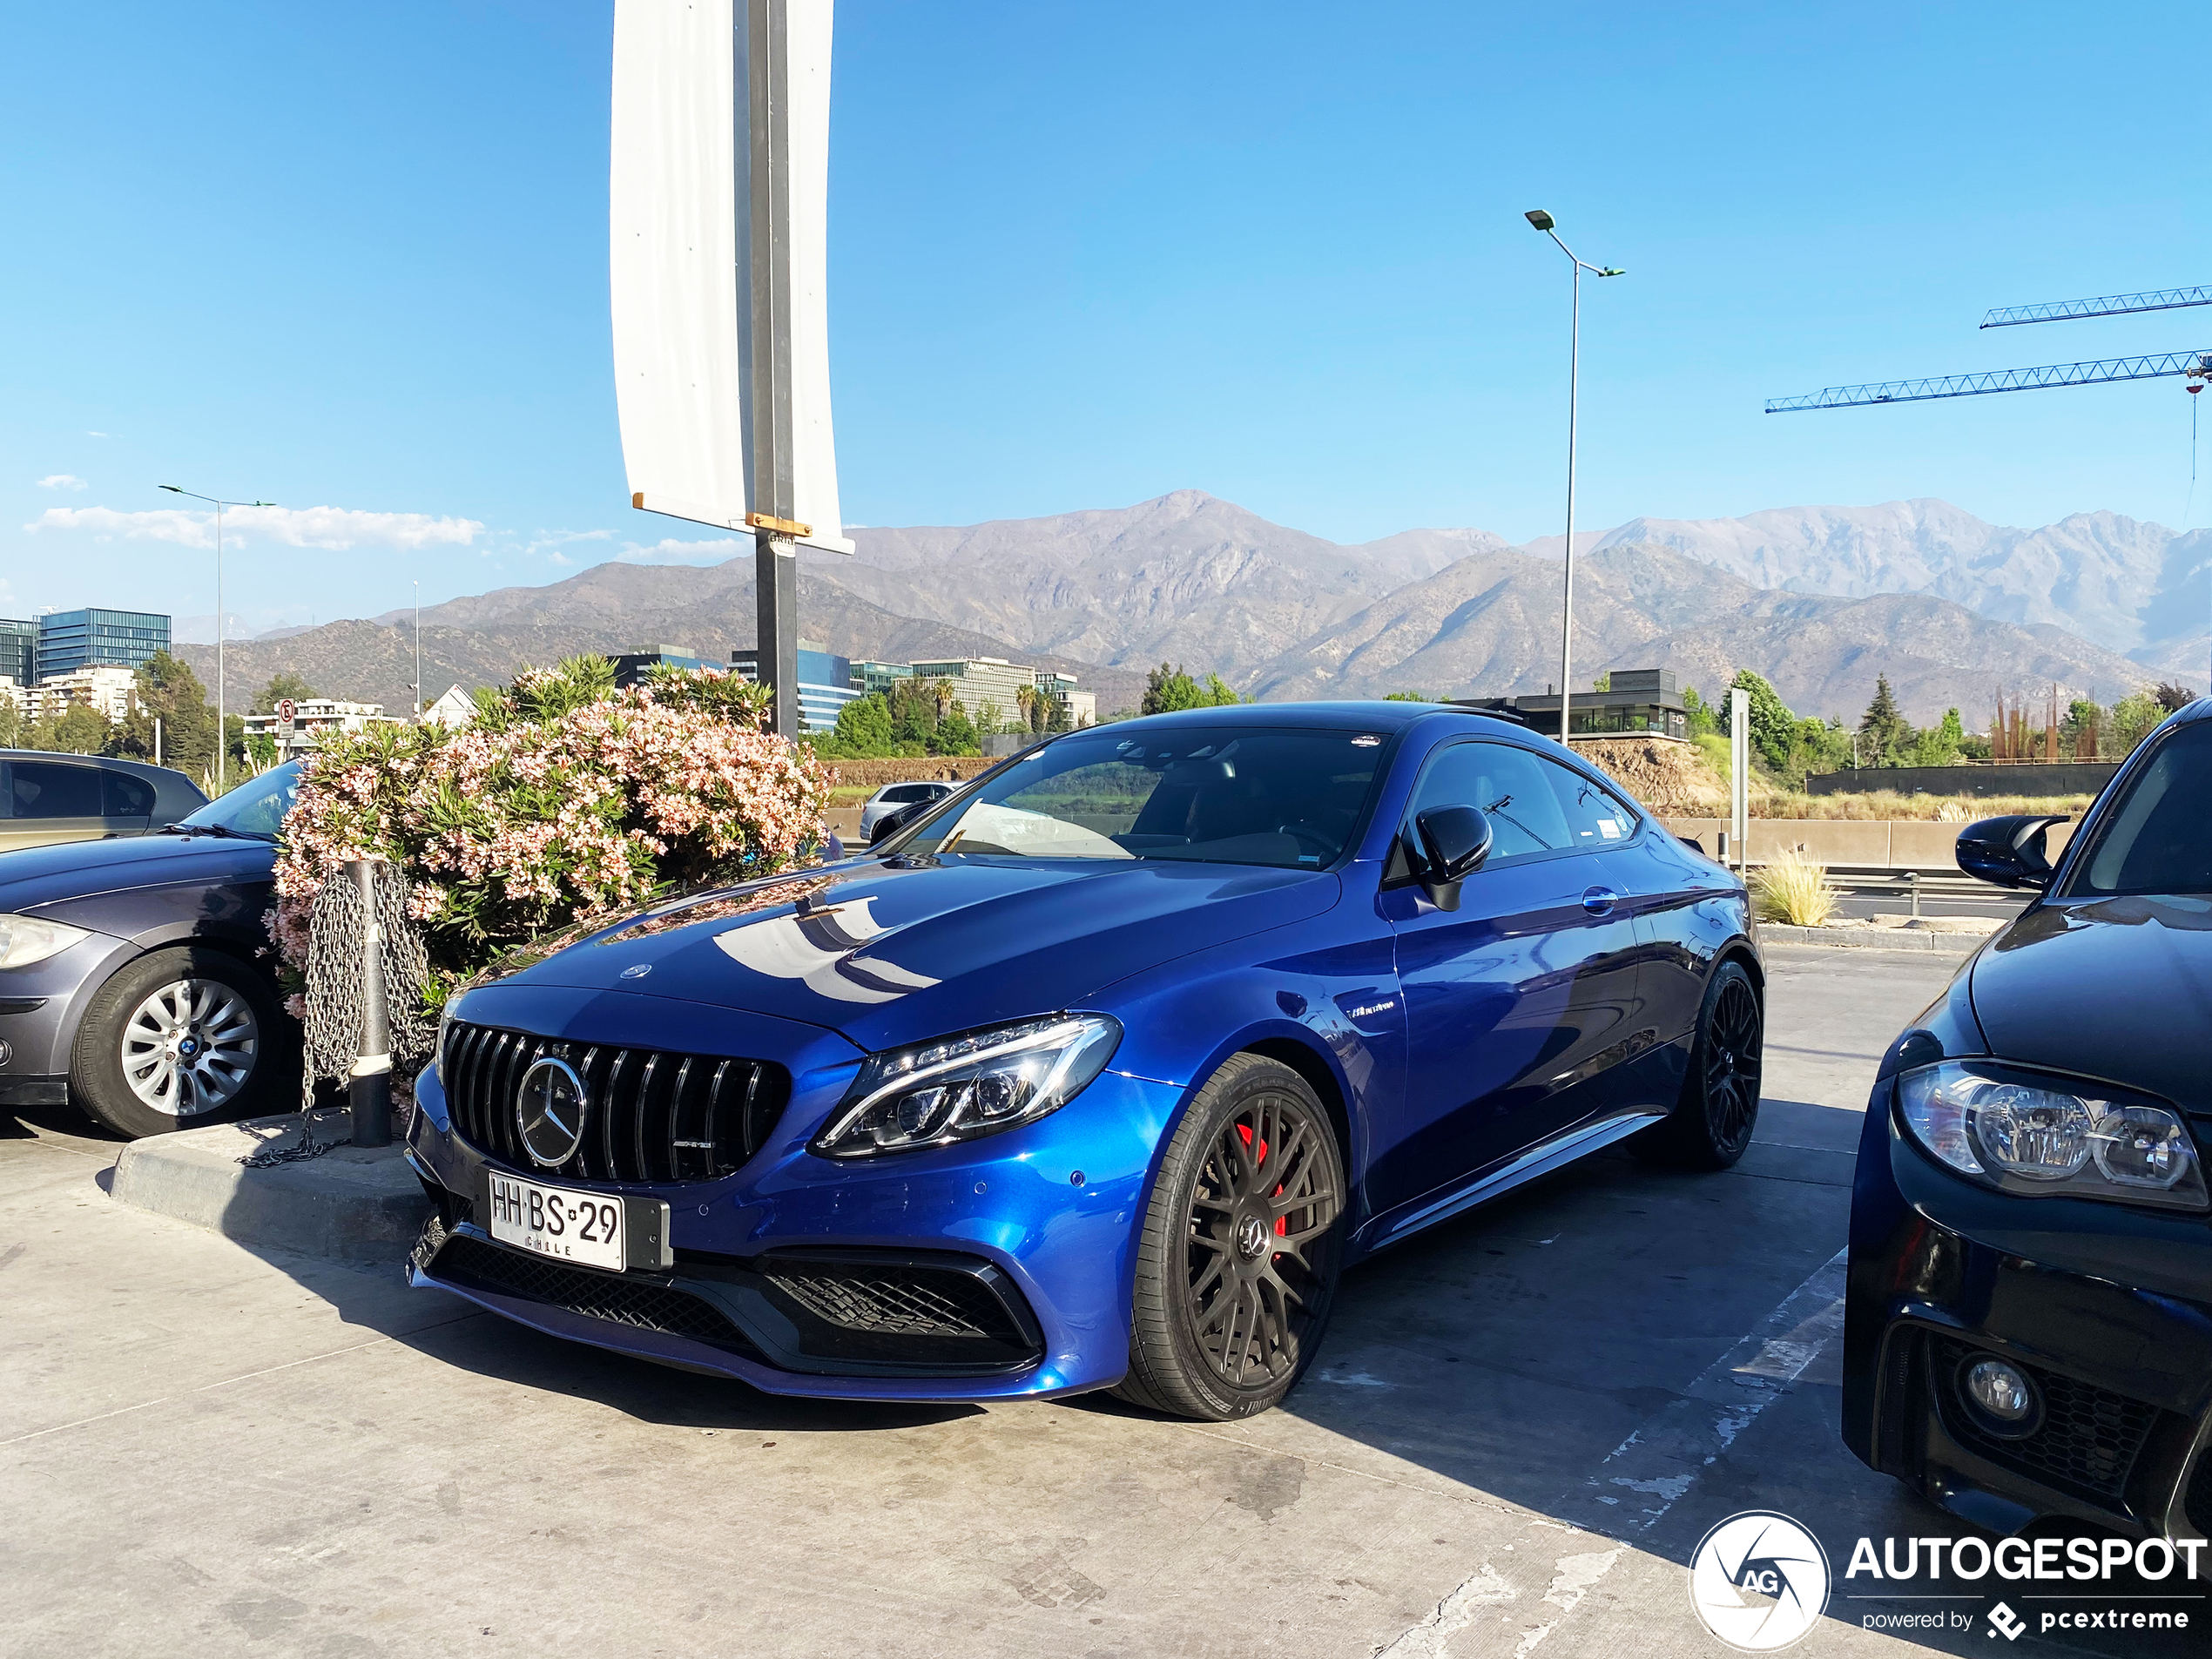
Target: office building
[(1636, 701), (18, 650), (69, 640), (631, 667), (876, 679), (1077, 707), (979, 680), (825, 682)]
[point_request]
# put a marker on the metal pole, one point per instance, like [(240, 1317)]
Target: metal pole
[(418, 652), (370, 1088), (1567, 608), (157, 740), (222, 731), (1739, 770), (776, 558)]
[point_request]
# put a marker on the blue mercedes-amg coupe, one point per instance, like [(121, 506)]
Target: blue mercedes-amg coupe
[(1097, 1073)]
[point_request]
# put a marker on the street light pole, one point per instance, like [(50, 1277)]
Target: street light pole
[(222, 720), (1544, 222), (417, 715)]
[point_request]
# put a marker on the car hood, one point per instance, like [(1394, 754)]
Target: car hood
[(887, 954), (2118, 988), (35, 876)]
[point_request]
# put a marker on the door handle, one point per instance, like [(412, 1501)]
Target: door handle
[(1599, 901)]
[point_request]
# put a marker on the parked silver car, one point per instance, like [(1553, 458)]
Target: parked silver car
[(48, 798), (893, 798)]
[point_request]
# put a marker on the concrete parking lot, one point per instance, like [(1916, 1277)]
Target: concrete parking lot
[(1509, 1446)]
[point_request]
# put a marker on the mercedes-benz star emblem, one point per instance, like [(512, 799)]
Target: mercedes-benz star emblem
[(1251, 1238), (549, 1112)]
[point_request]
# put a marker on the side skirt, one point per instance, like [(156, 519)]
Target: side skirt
[(1410, 1217)]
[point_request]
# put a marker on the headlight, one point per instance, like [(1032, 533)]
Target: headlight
[(445, 1018), (25, 940), (2038, 1136), (960, 1088)]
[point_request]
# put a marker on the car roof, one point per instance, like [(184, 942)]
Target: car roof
[(174, 791)]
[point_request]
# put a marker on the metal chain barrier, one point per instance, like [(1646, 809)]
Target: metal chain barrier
[(340, 929)]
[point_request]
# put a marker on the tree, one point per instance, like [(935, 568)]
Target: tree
[(1942, 744), (1773, 725), (2134, 718), (168, 691), (914, 712), (1886, 737), (82, 730), (956, 734), (1408, 697), (282, 684), (863, 730), (11, 724), (1703, 718), (2173, 698), (1166, 688)]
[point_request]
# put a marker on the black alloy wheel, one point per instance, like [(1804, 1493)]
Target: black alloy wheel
[(1237, 1262), (1711, 1124)]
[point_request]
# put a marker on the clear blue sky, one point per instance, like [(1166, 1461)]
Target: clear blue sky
[(355, 256)]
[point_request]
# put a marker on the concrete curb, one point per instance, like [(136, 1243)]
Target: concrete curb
[(1773, 932), (349, 1204)]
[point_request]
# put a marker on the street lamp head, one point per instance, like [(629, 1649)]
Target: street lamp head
[(1612, 270), (172, 488), (1539, 219)]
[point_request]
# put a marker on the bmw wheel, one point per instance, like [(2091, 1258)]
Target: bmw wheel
[(179, 1039), (1238, 1261), (1711, 1124)]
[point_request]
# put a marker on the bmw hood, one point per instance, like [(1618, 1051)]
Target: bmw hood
[(2119, 989), (887, 954), (34, 876)]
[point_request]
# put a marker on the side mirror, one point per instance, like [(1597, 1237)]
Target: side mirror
[(2008, 852), (1454, 841), (889, 823)]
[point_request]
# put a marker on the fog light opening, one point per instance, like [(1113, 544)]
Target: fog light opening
[(2000, 1396)]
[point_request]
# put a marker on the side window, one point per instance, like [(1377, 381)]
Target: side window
[(1510, 786), (127, 797), (1595, 816), (54, 789)]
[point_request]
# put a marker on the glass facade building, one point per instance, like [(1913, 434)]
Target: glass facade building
[(18, 650), (72, 639), (825, 682)]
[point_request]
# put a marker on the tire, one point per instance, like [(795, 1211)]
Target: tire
[(1221, 1325), (181, 1038), (1711, 1124)]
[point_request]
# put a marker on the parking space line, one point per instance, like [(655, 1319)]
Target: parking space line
[(1661, 1460)]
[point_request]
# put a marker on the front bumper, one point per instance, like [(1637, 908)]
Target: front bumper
[(2105, 1308), (41, 1007), (803, 1276)]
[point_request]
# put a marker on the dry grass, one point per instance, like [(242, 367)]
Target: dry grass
[(1794, 889), (1680, 780), (1889, 806)]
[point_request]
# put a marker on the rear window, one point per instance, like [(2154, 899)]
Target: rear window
[(910, 792), (128, 797), (2156, 836)]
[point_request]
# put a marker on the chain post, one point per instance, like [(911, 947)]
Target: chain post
[(370, 1084)]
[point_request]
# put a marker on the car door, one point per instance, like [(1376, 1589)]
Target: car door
[(52, 800), (1516, 1001)]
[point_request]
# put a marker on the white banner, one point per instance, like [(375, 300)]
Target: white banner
[(680, 268)]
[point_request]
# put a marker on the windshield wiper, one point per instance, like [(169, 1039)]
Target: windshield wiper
[(222, 830)]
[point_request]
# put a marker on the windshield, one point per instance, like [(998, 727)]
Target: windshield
[(255, 808), (1222, 795), (2157, 836)]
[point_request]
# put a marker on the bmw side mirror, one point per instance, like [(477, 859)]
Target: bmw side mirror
[(1454, 841), (2008, 852)]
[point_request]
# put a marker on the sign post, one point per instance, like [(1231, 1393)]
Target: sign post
[(718, 222)]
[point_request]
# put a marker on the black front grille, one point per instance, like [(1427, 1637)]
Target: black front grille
[(903, 1302), (2086, 1443), (646, 1304), (652, 1115)]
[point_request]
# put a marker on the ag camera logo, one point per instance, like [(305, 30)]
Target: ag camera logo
[(1759, 1581)]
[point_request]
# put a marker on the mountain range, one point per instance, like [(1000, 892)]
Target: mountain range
[(1819, 599)]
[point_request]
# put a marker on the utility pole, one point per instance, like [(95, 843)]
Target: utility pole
[(1544, 222), (222, 720), (775, 565), (417, 714)]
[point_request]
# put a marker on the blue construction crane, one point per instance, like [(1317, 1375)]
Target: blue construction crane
[(2193, 366)]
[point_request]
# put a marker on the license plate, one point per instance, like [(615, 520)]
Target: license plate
[(554, 1221)]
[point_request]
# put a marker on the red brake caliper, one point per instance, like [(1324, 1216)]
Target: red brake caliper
[(1282, 1223)]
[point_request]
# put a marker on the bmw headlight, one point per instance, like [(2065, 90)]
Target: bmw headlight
[(958, 1088), (25, 940), (2039, 1136)]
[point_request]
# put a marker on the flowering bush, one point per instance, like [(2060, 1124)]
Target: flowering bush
[(562, 798)]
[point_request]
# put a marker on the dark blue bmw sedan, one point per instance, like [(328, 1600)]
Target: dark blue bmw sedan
[(1099, 1072)]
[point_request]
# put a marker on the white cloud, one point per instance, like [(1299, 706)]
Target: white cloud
[(672, 552), (61, 481), (96, 435), (335, 527)]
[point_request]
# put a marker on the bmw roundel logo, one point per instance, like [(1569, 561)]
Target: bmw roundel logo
[(549, 1112)]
